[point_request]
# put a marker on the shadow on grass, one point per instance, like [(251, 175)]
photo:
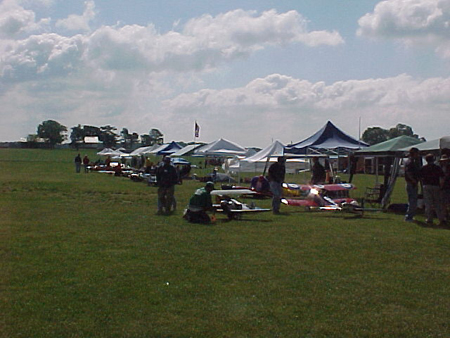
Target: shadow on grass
[(350, 217), (432, 226), (226, 220)]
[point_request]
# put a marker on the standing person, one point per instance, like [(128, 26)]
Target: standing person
[(444, 162), (166, 178), (432, 180), (108, 162), (276, 175), (85, 163), (412, 178), (318, 172), (77, 163), (353, 163)]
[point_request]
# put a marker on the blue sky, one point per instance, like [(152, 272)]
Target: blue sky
[(247, 71)]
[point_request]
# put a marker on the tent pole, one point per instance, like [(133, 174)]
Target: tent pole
[(376, 170), (265, 166)]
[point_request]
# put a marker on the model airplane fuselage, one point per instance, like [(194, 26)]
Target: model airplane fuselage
[(234, 209)]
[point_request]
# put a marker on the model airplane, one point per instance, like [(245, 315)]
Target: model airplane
[(254, 193), (230, 206), (327, 197)]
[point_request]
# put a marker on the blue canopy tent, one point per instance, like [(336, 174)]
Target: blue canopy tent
[(169, 149), (328, 140)]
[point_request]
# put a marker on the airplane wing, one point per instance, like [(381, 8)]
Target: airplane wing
[(232, 192), (335, 187)]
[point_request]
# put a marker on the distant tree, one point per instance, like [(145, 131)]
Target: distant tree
[(108, 136), (401, 129), (374, 135), (134, 139), (52, 132), (156, 136), (124, 134), (128, 139), (77, 136), (92, 131), (146, 140), (152, 138)]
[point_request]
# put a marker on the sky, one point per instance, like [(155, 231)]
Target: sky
[(248, 71)]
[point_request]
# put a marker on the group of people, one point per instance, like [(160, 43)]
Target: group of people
[(433, 180), (78, 161)]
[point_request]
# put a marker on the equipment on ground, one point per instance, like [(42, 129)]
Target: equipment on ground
[(230, 206)]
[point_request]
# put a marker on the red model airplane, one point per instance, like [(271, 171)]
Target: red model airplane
[(333, 197)]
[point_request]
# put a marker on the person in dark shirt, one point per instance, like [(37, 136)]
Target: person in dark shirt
[(260, 184), (86, 162), (444, 163), (432, 180), (318, 172), (77, 164), (277, 171), (166, 178), (353, 164), (412, 179), (199, 204)]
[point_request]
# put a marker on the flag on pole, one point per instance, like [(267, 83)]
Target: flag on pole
[(197, 129)]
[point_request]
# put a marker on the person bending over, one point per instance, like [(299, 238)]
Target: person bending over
[(199, 204)]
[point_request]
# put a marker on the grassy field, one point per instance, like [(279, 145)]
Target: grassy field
[(85, 255)]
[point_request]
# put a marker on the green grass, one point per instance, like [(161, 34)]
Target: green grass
[(84, 255)]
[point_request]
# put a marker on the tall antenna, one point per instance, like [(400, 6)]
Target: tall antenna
[(359, 132)]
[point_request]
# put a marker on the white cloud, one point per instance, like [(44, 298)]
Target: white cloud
[(16, 21), (277, 106), (39, 56), (415, 22), (79, 22), (287, 108), (127, 76), (203, 44), (247, 30)]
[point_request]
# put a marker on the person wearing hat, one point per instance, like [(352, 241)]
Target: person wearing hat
[(199, 204), (166, 178), (432, 179), (412, 179)]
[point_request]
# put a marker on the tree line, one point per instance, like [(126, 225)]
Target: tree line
[(55, 133), (374, 135)]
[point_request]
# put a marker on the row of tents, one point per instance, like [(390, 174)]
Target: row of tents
[(329, 141)]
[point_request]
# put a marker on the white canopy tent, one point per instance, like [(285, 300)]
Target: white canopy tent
[(144, 150), (186, 150), (444, 142), (221, 147), (432, 146), (109, 152), (262, 159)]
